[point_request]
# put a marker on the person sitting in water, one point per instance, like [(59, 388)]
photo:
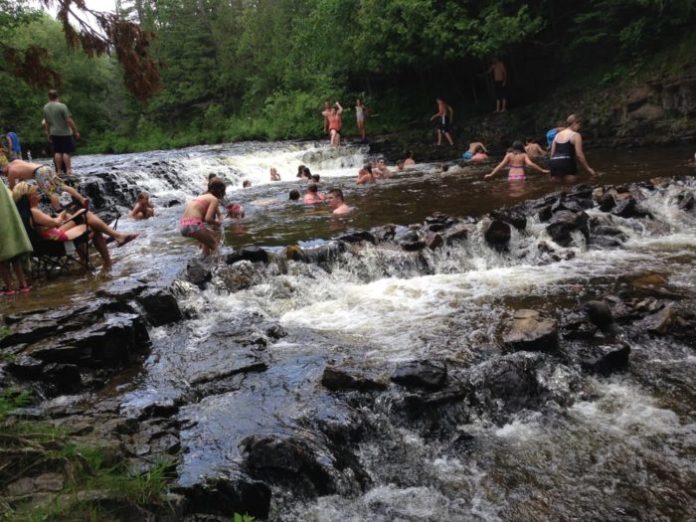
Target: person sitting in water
[(313, 196), (200, 217), (566, 147), (409, 161), (63, 227), (315, 178), (294, 195), (235, 211), (533, 149), (246, 183), (365, 175), (478, 156), (381, 170), (516, 159), (335, 125), (337, 203), (475, 147), (143, 209), (306, 174), (274, 174), (400, 166), (300, 170), (48, 181)]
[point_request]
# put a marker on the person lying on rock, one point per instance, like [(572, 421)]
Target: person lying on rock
[(48, 181)]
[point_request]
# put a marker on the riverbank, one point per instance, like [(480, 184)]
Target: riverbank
[(341, 378)]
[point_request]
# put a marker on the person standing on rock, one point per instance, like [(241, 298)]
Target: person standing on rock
[(360, 114), (565, 150), (61, 131), (335, 124), (499, 72), (444, 116)]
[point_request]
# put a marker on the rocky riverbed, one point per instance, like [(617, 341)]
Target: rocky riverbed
[(404, 412)]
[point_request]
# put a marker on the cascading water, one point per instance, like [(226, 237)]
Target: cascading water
[(509, 436)]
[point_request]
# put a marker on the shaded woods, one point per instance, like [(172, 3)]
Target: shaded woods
[(238, 69)]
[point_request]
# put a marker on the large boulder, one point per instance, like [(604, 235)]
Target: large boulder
[(497, 234), (421, 374), (161, 307), (564, 222), (343, 378)]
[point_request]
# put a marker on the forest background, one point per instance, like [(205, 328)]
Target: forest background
[(260, 69)]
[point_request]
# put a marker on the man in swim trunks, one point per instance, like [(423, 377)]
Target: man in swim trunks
[(336, 203), (48, 182), (444, 116), (60, 130), (335, 124), (499, 73)]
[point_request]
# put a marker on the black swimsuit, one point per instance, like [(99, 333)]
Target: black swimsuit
[(563, 161)]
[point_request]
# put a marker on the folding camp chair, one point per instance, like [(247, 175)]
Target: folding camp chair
[(51, 257)]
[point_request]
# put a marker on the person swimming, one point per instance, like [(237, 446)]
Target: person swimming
[(313, 196), (337, 203), (516, 159), (365, 175)]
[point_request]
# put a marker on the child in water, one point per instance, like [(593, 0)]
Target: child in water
[(200, 220), (143, 209), (516, 159)]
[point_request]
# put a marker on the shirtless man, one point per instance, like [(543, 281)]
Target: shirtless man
[(499, 73), (49, 183), (381, 170), (474, 147), (444, 117), (336, 203), (313, 196), (409, 161), (533, 149), (335, 124)]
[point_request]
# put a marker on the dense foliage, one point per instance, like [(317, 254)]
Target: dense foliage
[(236, 69)]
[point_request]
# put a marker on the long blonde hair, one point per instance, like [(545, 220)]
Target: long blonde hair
[(22, 189)]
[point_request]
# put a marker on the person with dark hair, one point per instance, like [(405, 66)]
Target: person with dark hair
[(499, 72), (337, 203), (409, 161), (365, 175), (565, 149), (315, 178), (200, 219), (444, 116), (516, 159), (294, 195), (246, 183), (313, 196), (533, 149), (60, 131), (300, 171), (306, 174), (381, 170), (335, 124), (14, 147)]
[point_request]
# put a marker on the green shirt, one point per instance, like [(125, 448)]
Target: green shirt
[(57, 115)]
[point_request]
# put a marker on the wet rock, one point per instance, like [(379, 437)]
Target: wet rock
[(545, 213), (384, 233), (564, 222), (173, 203), (198, 272), (458, 233), (599, 313), (686, 201), (253, 254), (339, 379), (358, 236), (161, 307), (628, 208), (530, 332), (433, 241), (497, 234), (326, 254), (227, 496), (512, 216), (276, 332), (606, 360), (298, 464), (242, 274), (421, 374), (660, 322), (650, 280), (607, 202)]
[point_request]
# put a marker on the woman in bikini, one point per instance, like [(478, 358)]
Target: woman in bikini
[(63, 227), (516, 159), (200, 220)]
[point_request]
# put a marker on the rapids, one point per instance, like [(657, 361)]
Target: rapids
[(594, 448)]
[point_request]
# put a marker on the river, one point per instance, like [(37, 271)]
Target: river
[(620, 447)]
